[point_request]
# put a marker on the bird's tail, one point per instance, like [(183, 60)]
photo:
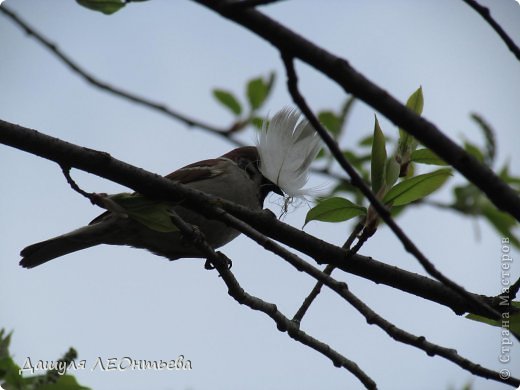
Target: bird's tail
[(41, 252), (79, 239)]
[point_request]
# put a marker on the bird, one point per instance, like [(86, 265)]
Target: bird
[(245, 175), (233, 176)]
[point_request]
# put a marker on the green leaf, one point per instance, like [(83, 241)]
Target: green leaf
[(426, 156), (474, 150), (270, 81), (107, 7), (489, 135), (331, 122), (334, 210), (228, 100), (378, 158), (10, 377), (513, 320), (9, 370), (257, 122), (416, 101), (10, 374), (369, 140), (467, 199), (346, 109), (357, 160), (407, 143), (392, 170), (412, 189), (153, 214), (257, 90), (501, 221), (506, 176), (366, 141), (344, 113), (4, 343)]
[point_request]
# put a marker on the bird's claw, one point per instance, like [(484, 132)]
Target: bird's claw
[(222, 257)]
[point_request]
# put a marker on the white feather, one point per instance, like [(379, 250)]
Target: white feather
[(287, 146)]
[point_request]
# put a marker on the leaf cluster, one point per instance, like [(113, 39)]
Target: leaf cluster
[(257, 90), (12, 379), (394, 180)]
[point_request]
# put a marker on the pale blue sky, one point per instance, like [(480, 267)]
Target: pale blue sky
[(116, 302)]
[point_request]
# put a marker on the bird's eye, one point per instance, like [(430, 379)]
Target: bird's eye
[(250, 167)]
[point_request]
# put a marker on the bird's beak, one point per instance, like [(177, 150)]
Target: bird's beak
[(269, 186)]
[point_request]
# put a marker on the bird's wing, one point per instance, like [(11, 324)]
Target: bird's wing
[(200, 170)]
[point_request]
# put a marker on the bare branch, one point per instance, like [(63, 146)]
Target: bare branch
[(353, 82), (421, 343), (284, 324), (328, 271), (54, 49), (484, 12), (292, 83)]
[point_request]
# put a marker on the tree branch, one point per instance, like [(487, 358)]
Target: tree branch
[(157, 187), (284, 324), (484, 12), (339, 70), (298, 316)]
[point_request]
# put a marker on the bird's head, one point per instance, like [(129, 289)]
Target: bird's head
[(248, 159)]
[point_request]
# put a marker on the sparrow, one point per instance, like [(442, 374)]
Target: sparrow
[(234, 176), (279, 163)]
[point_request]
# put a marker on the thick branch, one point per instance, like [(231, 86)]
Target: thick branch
[(339, 70), (155, 186)]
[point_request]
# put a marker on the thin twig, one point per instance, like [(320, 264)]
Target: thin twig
[(292, 84), (51, 46), (486, 14), (328, 271), (284, 324), (74, 185)]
